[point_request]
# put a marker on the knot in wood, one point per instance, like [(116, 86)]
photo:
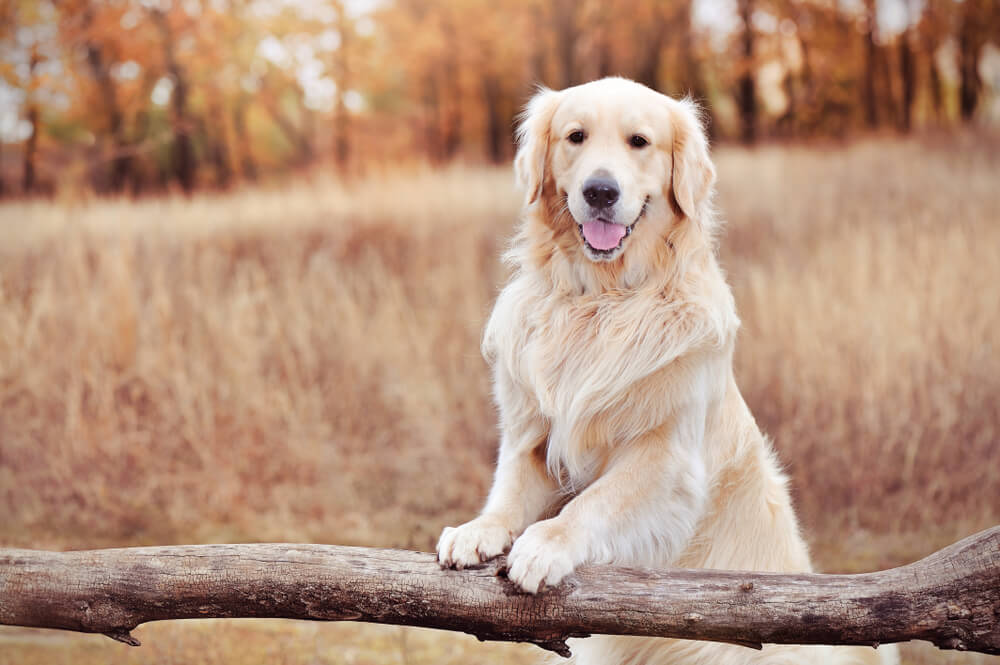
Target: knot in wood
[(693, 617)]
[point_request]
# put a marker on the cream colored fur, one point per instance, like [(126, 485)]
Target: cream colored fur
[(624, 438)]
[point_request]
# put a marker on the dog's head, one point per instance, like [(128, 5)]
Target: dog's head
[(624, 161)]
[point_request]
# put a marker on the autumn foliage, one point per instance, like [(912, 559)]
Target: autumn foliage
[(144, 95)]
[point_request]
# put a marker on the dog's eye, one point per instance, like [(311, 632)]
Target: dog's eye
[(576, 137), (637, 141)]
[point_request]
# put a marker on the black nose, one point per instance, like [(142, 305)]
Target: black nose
[(600, 192)]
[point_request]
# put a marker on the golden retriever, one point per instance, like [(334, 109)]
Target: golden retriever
[(624, 438)]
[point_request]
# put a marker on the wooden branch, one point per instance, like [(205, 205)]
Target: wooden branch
[(951, 598)]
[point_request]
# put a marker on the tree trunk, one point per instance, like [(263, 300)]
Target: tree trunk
[(566, 34), (747, 90), (184, 159), (31, 144), (604, 55), (432, 121), (937, 87), (214, 130), (648, 72), (341, 69), (451, 106), (120, 158), (871, 103), (692, 81), (950, 598), (30, 152), (540, 26), (888, 80), (969, 51), (183, 148), (908, 75), (248, 166), (495, 135)]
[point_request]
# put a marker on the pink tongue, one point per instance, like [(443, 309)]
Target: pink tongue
[(603, 235)]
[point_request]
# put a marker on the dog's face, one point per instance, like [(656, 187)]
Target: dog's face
[(620, 156), (607, 156)]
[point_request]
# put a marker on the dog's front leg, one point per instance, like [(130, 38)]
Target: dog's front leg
[(642, 510), (522, 491)]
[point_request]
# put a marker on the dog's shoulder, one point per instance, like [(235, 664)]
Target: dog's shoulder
[(706, 301), (506, 327)]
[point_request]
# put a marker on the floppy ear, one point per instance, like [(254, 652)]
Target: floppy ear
[(693, 173), (533, 141)]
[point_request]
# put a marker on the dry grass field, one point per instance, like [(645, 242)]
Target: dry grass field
[(301, 364)]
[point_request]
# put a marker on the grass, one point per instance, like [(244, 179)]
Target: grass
[(301, 364)]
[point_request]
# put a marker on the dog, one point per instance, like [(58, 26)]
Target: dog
[(624, 438)]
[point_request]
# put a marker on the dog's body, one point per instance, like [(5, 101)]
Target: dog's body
[(612, 351)]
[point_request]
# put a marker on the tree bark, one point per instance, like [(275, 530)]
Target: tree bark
[(692, 80), (432, 120), (183, 148), (213, 129), (908, 75), (342, 71), (936, 86), (31, 144), (871, 103), (886, 85), (451, 107), (970, 44), (649, 70), (30, 151), (495, 135), (121, 157), (747, 85), (951, 598), (248, 166), (564, 20)]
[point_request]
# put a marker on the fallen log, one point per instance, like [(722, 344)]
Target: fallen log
[(951, 598)]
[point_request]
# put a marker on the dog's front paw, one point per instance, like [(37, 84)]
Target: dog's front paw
[(474, 542), (542, 556)]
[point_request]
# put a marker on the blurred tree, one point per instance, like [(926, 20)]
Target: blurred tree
[(746, 97), (183, 125), (274, 92), (977, 25), (933, 30), (7, 25), (31, 145), (451, 100), (868, 71), (248, 165), (343, 80), (24, 50), (91, 31), (908, 74), (143, 93), (656, 26), (563, 22), (495, 134)]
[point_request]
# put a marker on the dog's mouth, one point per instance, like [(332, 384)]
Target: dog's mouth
[(603, 238)]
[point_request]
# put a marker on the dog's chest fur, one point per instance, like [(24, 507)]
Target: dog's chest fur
[(595, 366)]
